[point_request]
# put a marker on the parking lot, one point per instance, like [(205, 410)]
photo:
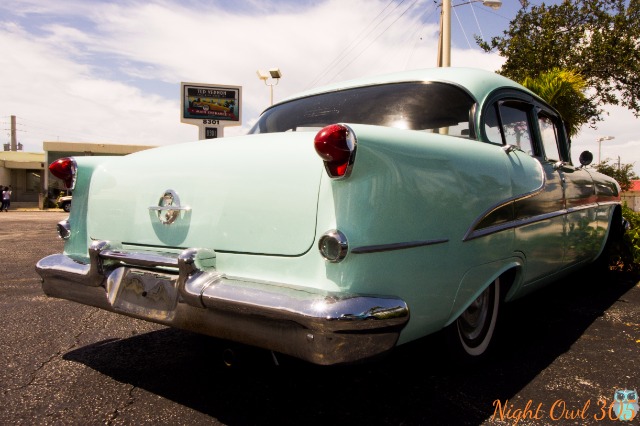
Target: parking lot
[(562, 354)]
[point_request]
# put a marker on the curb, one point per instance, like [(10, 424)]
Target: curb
[(22, 209)]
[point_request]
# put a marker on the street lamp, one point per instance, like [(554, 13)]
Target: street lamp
[(274, 74), (603, 138), (444, 42)]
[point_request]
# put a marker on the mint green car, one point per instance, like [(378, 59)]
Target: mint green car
[(351, 219)]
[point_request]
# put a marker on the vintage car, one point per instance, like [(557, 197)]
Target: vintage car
[(209, 104), (351, 219)]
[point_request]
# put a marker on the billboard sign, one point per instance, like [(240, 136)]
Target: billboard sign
[(211, 104)]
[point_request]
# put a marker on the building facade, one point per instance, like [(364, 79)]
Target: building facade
[(632, 196), (27, 173), (23, 172)]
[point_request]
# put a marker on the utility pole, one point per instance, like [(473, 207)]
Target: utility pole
[(444, 42), (14, 140)]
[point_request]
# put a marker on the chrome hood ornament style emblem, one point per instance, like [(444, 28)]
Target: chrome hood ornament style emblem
[(169, 208)]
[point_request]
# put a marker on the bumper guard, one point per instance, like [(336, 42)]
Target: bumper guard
[(186, 291)]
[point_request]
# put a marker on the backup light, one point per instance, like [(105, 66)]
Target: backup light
[(333, 246), (336, 145), (65, 169)]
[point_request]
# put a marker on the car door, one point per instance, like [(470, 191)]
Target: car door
[(538, 213), (580, 221)]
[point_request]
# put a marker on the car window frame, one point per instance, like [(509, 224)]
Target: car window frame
[(515, 100), (562, 140), (526, 108), (534, 107)]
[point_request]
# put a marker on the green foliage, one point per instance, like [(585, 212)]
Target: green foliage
[(563, 90), (623, 174), (596, 39), (625, 255), (632, 236)]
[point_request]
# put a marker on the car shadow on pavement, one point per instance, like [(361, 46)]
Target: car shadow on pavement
[(417, 383)]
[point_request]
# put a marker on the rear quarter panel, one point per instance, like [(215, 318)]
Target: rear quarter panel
[(410, 186), (77, 244)]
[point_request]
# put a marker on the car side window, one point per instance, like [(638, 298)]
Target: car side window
[(492, 125), (549, 136), (515, 126), (508, 123)]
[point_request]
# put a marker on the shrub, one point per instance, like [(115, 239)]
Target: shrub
[(632, 236)]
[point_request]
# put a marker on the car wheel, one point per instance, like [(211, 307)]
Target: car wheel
[(470, 335), (615, 250), (66, 207)]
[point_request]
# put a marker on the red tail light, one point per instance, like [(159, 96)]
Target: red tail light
[(65, 169), (336, 145)]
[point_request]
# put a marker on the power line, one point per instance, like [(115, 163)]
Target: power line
[(30, 127), (420, 23), (473, 9), (462, 27), (356, 41), (372, 41)]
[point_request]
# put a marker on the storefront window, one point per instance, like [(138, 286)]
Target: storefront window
[(33, 181)]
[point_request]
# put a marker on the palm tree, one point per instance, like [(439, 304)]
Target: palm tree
[(564, 90)]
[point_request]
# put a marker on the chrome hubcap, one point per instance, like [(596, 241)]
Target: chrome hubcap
[(472, 321)]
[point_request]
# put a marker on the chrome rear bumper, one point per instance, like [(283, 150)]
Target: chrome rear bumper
[(186, 291)]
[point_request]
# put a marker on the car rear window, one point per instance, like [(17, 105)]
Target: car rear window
[(433, 107)]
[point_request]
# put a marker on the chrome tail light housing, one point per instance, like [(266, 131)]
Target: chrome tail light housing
[(333, 246), (65, 169), (336, 145)]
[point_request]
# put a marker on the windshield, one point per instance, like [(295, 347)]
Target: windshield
[(416, 106)]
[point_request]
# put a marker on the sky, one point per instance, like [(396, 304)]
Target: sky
[(110, 71)]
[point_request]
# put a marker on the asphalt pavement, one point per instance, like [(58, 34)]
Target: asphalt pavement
[(562, 354)]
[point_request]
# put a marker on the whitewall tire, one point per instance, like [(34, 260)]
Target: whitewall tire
[(471, 334)]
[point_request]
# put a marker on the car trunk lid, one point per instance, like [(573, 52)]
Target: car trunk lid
[(250, 194)]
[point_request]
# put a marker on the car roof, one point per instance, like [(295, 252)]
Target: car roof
[(479, 83)]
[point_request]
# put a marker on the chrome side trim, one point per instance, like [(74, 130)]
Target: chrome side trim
[(582, 207), (608, 203), (473, 234), (318, 326), (397, 246)]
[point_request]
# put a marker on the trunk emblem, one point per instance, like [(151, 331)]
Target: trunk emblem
[(169, 208)]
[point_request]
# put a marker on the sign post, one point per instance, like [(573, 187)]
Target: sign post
[(211, 107)]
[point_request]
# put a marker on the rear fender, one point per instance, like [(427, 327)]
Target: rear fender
[(477, 279), (77, 244)]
